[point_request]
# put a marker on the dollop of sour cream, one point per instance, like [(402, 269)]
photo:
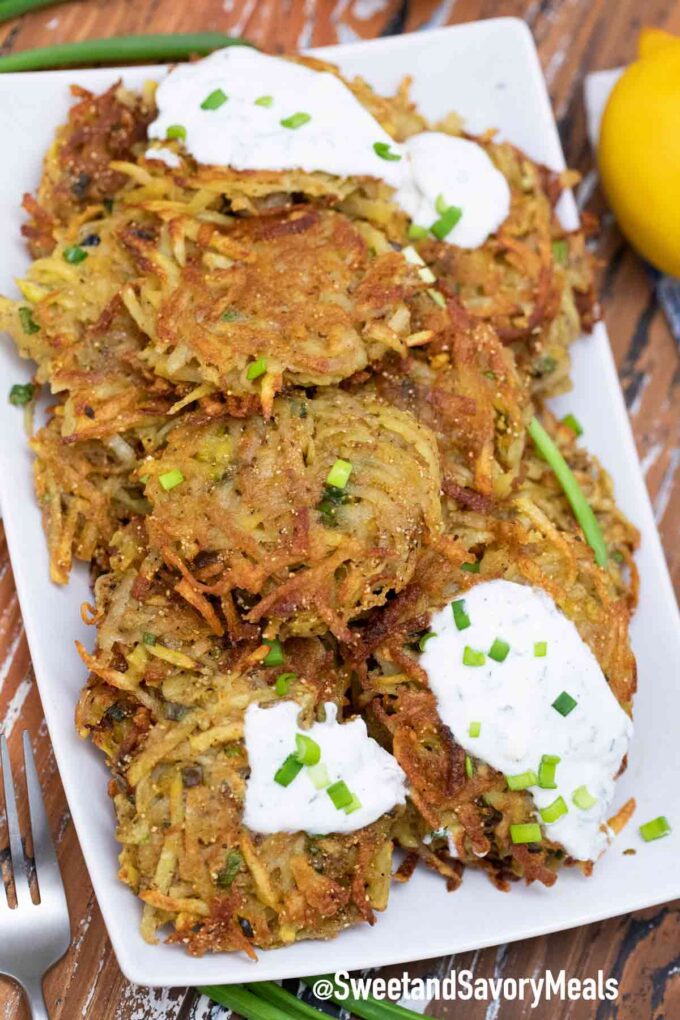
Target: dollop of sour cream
[(348, 754), (267, 113), (513, 702)]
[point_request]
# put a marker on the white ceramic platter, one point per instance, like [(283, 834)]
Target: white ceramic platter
[(488, 72)]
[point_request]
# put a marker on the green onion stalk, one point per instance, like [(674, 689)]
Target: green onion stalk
[(15, 8), (265, 1000)]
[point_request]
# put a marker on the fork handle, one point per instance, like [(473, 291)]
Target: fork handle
[(36, 1000)]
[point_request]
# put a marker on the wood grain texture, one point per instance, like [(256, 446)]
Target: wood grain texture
[(574, 37)]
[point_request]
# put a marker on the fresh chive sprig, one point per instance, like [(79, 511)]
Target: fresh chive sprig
[(118, 49), (15, 8)]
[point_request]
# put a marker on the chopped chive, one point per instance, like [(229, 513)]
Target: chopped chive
[(417, 233), (655, 829), (522, 780), (148, 638), (319, 775), (288, 771), (176, 131), (256, 369), (296, 120), (169, 479), (469, 767), (232, 866), (540, 649), (353, 805), (474, 729), (425, 638), (442, 227), (554, 811), (274, 656), (499, 650), (564, 703), (489, 375), (214, 101), (307, 750), (28, 323), (283, 682), (264, 101), (384, 150), (470, 568), (546, 771), (559, 250), (618, 556), (583, 798), (230, 315), (74, 254), (472, 657), (21, 393), (579, 504), (526, 832), (340, 794), (574, 424), (437, 297), (338, 476), (460, 617), (440, 204)]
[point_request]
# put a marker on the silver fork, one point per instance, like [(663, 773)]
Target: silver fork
[(32, 936)]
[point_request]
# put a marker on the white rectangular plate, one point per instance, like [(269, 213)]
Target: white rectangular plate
[(490, 73)]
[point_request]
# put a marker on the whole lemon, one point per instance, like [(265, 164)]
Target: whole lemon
[(639, 151)]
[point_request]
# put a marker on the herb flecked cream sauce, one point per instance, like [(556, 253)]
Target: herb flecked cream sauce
[(510, 704), (348, 754), (249, 111)]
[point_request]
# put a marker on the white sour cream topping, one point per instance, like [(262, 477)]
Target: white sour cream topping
[(512, 700), (461, 172), (338, 138), (347, 752)]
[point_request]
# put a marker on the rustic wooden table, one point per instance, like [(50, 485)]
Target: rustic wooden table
[(573, 36)]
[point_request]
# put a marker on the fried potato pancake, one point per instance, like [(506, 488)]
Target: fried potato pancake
[(254, 514), (299, 293), (458, 818)]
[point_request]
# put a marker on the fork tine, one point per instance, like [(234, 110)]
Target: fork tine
[(16, 850), (46, 865)]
